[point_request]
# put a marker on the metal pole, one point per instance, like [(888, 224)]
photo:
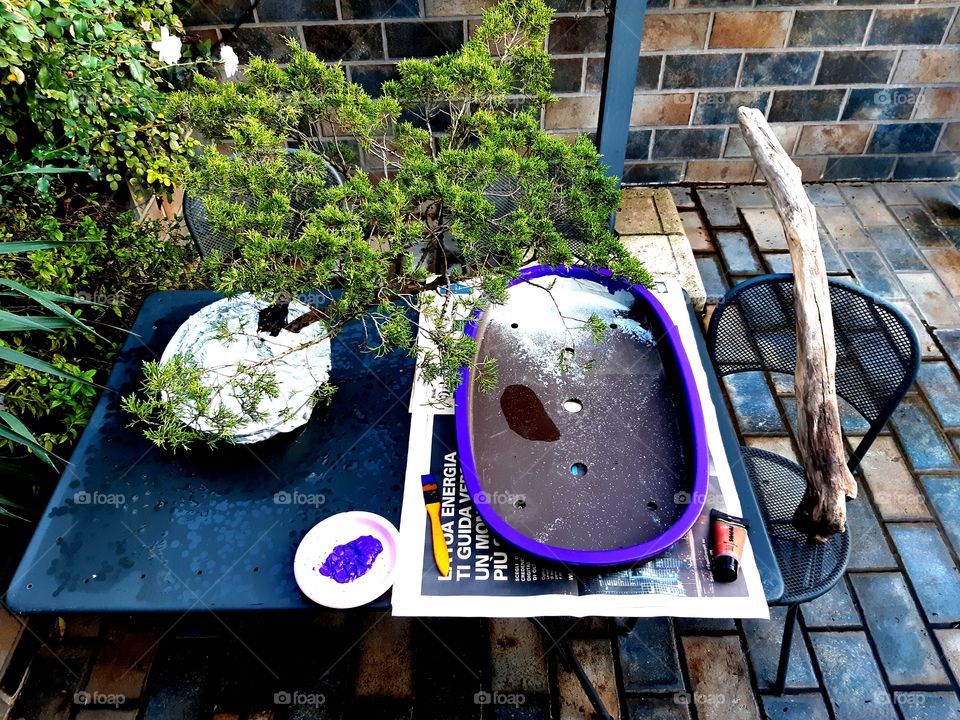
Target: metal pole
[(619, 80)]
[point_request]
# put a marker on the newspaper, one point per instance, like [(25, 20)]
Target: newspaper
[(489, 578)]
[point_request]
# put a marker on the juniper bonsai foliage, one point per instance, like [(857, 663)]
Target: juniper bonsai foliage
[(448, 178)]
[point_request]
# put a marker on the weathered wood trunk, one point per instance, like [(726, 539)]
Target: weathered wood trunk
[(822, 511)]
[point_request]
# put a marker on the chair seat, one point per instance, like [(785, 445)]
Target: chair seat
[(809, 568)]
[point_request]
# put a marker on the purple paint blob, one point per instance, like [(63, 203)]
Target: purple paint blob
[(351, 560)]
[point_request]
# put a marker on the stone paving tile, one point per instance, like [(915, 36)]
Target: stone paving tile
[(868, 546), (949, 640), (106, 715), (766, 228), (946, 263), (778, 262), (872, 273), (833, 609), (809, 706), (713, 282), (648, 658), (949, 338), (868, 206), (719, 207), (896, 193), (656, 709), (738, 253), (763, 651), (844, 228), (533, 708), (451, 654), (123, 662), (936, 305), (897, 248), (891, 484), (851, 422), (385, 667), (940, 203), (924, 446), (942, 390), (905, 650), (752, 196), (944, 494), (778, 444), (928, 346), (851, 676), (517, 658), (825, 194), (597, 660), (928, 705), (683, 197), (11, 629), (753, 404), (833, 261), (920, 225), (696, 232), (719, 678), (931, 570), (695, 626)]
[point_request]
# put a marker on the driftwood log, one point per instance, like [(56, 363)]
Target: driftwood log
[(822, 511)]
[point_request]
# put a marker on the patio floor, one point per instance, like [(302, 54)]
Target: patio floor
[(884, 643)]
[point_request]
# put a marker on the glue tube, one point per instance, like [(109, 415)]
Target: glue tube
[(728, 535)]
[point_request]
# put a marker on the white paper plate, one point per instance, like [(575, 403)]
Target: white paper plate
[(336, 530)]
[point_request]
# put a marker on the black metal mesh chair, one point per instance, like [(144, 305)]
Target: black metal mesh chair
[(207, 239), (878, 355)]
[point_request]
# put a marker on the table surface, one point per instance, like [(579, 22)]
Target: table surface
[(133, 528)]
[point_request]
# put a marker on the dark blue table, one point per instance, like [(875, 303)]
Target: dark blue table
[(132, 528)]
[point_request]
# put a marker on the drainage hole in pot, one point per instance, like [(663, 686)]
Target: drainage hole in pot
[(578, 469), (514, 325), (521, 504), (572, 405), (613, 326), (651, 505)]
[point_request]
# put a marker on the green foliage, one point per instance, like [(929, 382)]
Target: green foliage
[(96, 266), (81, 89), (448, 178)]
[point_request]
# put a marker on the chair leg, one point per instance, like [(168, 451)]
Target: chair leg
[(785, 646)]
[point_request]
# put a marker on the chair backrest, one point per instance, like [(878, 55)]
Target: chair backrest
[(878, 354)]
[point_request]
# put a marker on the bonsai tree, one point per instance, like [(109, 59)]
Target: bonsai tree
[(448, 179)]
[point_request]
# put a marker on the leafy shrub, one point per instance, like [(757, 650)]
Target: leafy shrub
[(80, 88)]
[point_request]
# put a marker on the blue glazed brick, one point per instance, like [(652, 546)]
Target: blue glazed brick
[(720, 108), (921, 226), (638, 144), (648, 657), (345, 42), (422, 39), (835, 264), (922, 442), (705, 626), (944, 494), (943, 392), (652, 173), (687, 143), (738, 254), (941, 202), (368, 9), (929, 705), (897, 248), (842, 67), (833, 609), (851, 422), (753, 404), (858, 168), (719, 207), (908, 138), (578, 34), (763, 651), (648, 73), (700, 71), (829, 27), (872, 273), (868, 547), (880, 104), (851, 676), (778, 262), (712, 276), (533, 708), (299, 10), (372, 77), (809, 706), (228, 12), (936, 167), (567, 75), (778, 69), (916, 26), (931, 570), (805, 105), (655, 709), (905, 649)]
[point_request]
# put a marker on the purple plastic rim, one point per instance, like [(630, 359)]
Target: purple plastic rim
[(698, 495)]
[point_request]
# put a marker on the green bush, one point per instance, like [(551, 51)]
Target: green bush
[(113, 262), (81, 88)]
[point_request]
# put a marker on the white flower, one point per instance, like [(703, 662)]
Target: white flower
[(145, 25), (230, 60), (168, 47)]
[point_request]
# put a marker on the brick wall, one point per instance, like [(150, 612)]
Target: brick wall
[(855, 90)]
